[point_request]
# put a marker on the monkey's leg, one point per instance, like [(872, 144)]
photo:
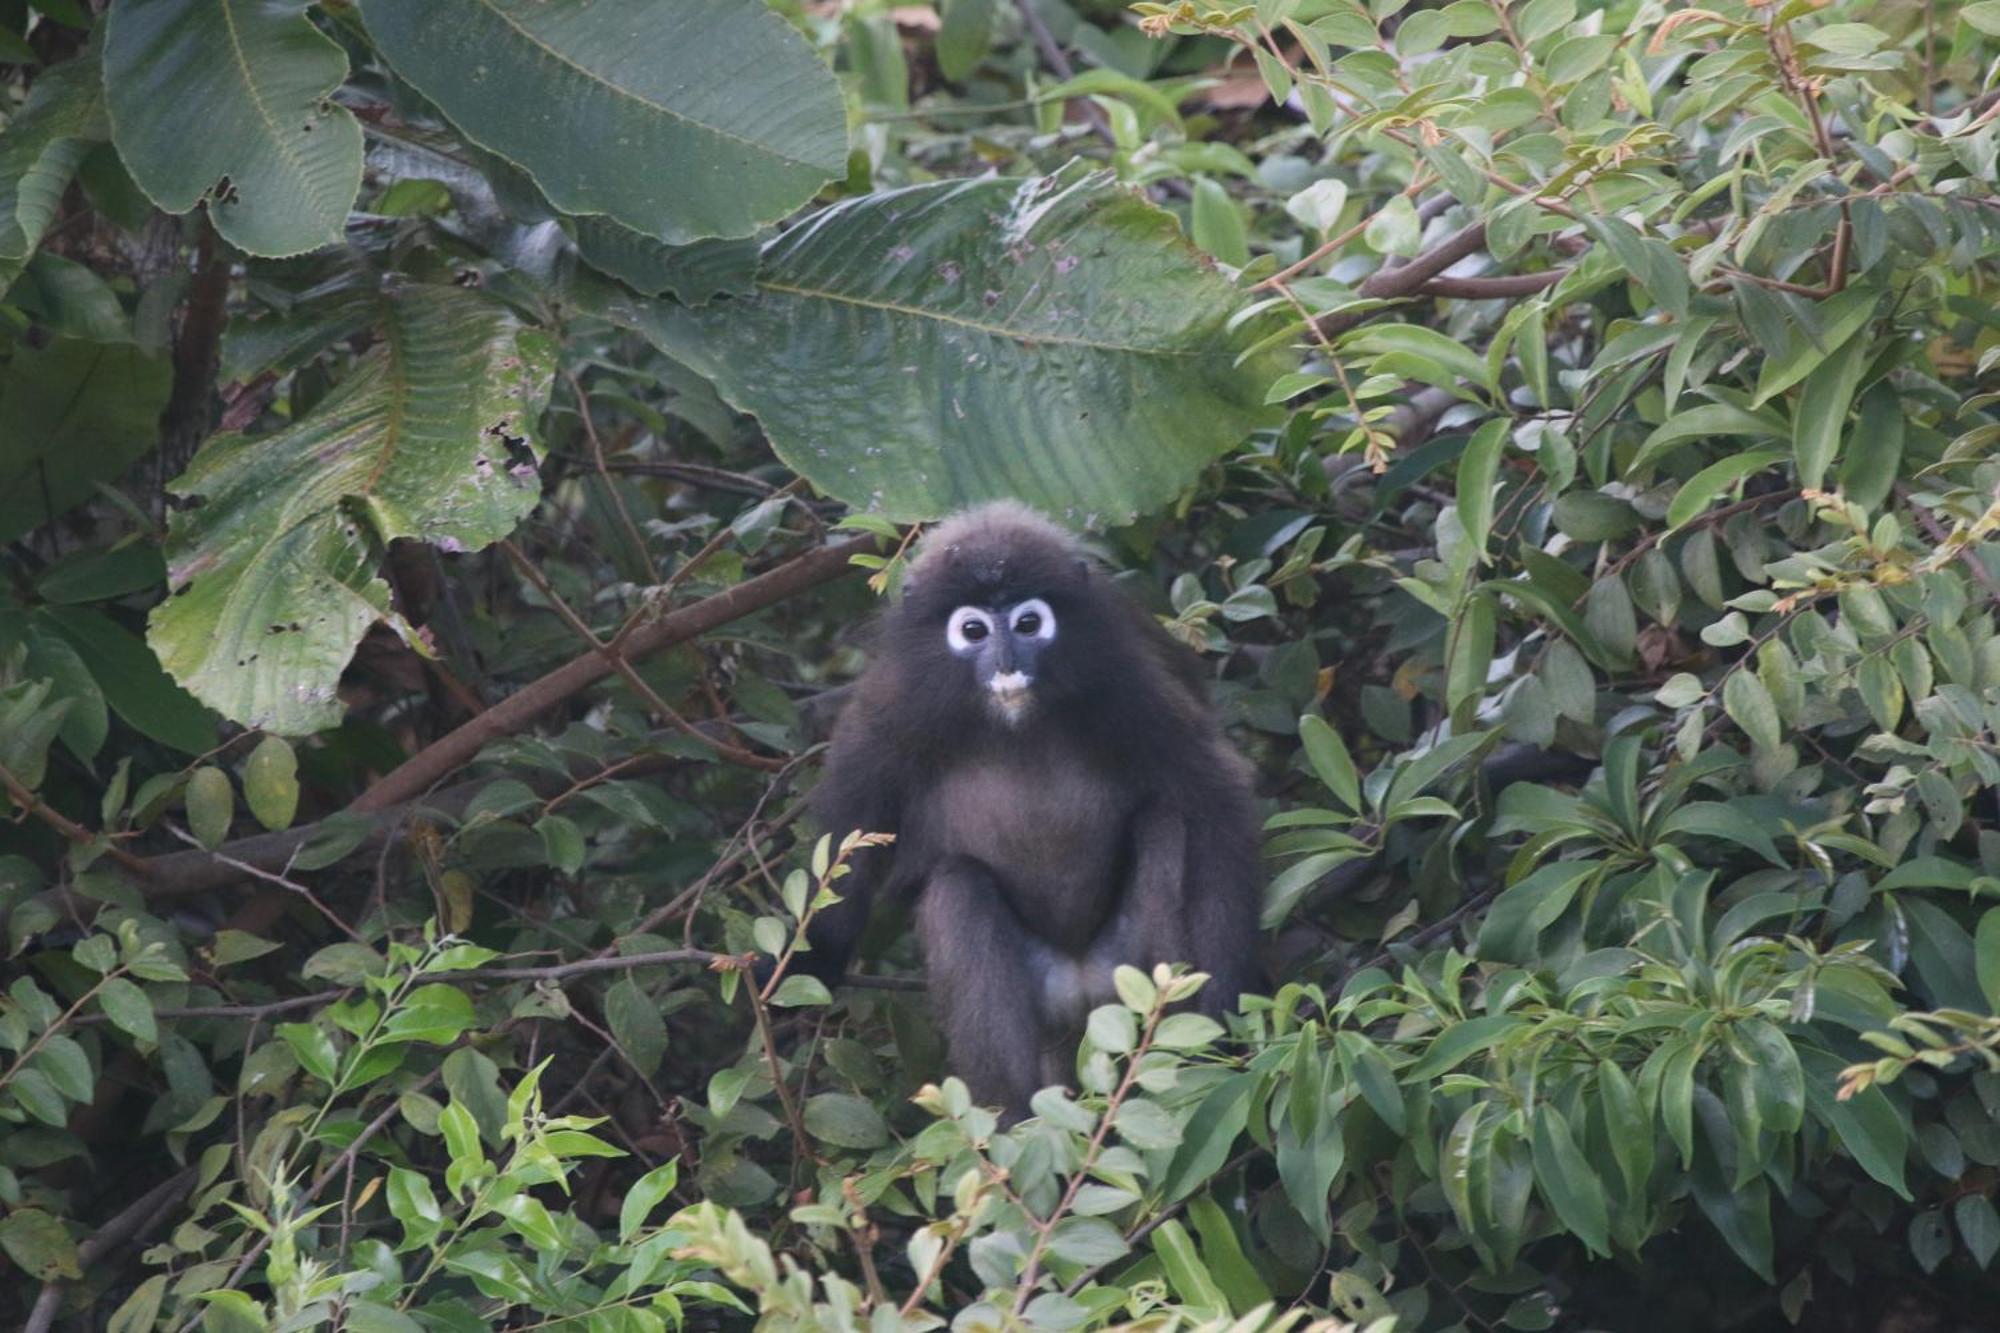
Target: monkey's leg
[(977, 954)]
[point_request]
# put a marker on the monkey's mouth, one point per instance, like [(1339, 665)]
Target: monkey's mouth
[(1010, 695)]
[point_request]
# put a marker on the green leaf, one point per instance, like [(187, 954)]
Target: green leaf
[(1749, 705), (1984, 16), (1471, 651), (636, 1025), (1630, 1123), (430, 437), (128, 1009), (39, 1097), (964, 36), (313, 1045), (1477, 468), (1330, 760), (937, 302), (211, 806), (1840, 317), (93, 576), (562, 843), (1986, 955), (271, 783), (1189, 1277), (1459, 1043), (134, 684), (645, 1195), (68, 1068), (1874, 455), (72, 415), (437, 1013), (692, 274), (681, 119), (1715, 819), (412, 1203), (1701, 490), (1218, 226), (1703, 422), (40, 1244), (1210, 1134), (229, 102), (1567, 1181), (1978, 1222), (1823, 402), (1417, 344), (845, 1121), (45, 141)]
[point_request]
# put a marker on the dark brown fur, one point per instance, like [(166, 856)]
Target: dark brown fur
[(1113, 825)]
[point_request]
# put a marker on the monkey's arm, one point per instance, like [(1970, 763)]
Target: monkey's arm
[(857, 793), (1197, 887)]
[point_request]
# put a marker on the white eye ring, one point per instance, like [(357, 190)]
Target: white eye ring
[(1043, 620), (962, 620)]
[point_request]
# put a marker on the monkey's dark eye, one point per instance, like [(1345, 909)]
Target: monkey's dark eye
[(1033, 619), (967, 627)]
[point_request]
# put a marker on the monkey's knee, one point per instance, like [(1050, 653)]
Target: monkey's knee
[(977, 957)]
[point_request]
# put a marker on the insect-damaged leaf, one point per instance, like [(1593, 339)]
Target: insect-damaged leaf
[(228, 101), (429, 437), (681, 119), (1055, 340)]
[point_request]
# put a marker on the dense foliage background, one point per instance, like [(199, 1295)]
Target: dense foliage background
[(443, 442)]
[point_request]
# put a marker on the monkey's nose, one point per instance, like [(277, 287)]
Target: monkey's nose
[(1010, 689)]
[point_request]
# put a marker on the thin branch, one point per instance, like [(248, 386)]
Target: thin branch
[(632, 533), (269, 877), (61, 823), (630, 675), (1486, 289), (1058, 60)]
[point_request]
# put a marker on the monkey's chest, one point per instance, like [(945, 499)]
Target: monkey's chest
[(1052, 833)]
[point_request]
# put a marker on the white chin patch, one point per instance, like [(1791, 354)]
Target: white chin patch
[(1010, 695)]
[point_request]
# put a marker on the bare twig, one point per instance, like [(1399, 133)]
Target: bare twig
[(269, 877)]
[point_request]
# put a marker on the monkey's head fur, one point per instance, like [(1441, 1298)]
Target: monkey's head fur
[(1006, 621)]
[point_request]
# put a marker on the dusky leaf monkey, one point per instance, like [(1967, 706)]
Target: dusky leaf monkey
[(1062, 795)]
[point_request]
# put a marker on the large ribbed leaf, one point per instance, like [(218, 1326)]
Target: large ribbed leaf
[(274, 571), (682, 119), (1056, 340), (226, 100), (40, 149)]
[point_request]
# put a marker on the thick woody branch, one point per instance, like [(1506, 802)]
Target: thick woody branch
[(518, 710), (180, 873)]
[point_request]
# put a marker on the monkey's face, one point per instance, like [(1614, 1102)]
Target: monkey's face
[(1004, 642)]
